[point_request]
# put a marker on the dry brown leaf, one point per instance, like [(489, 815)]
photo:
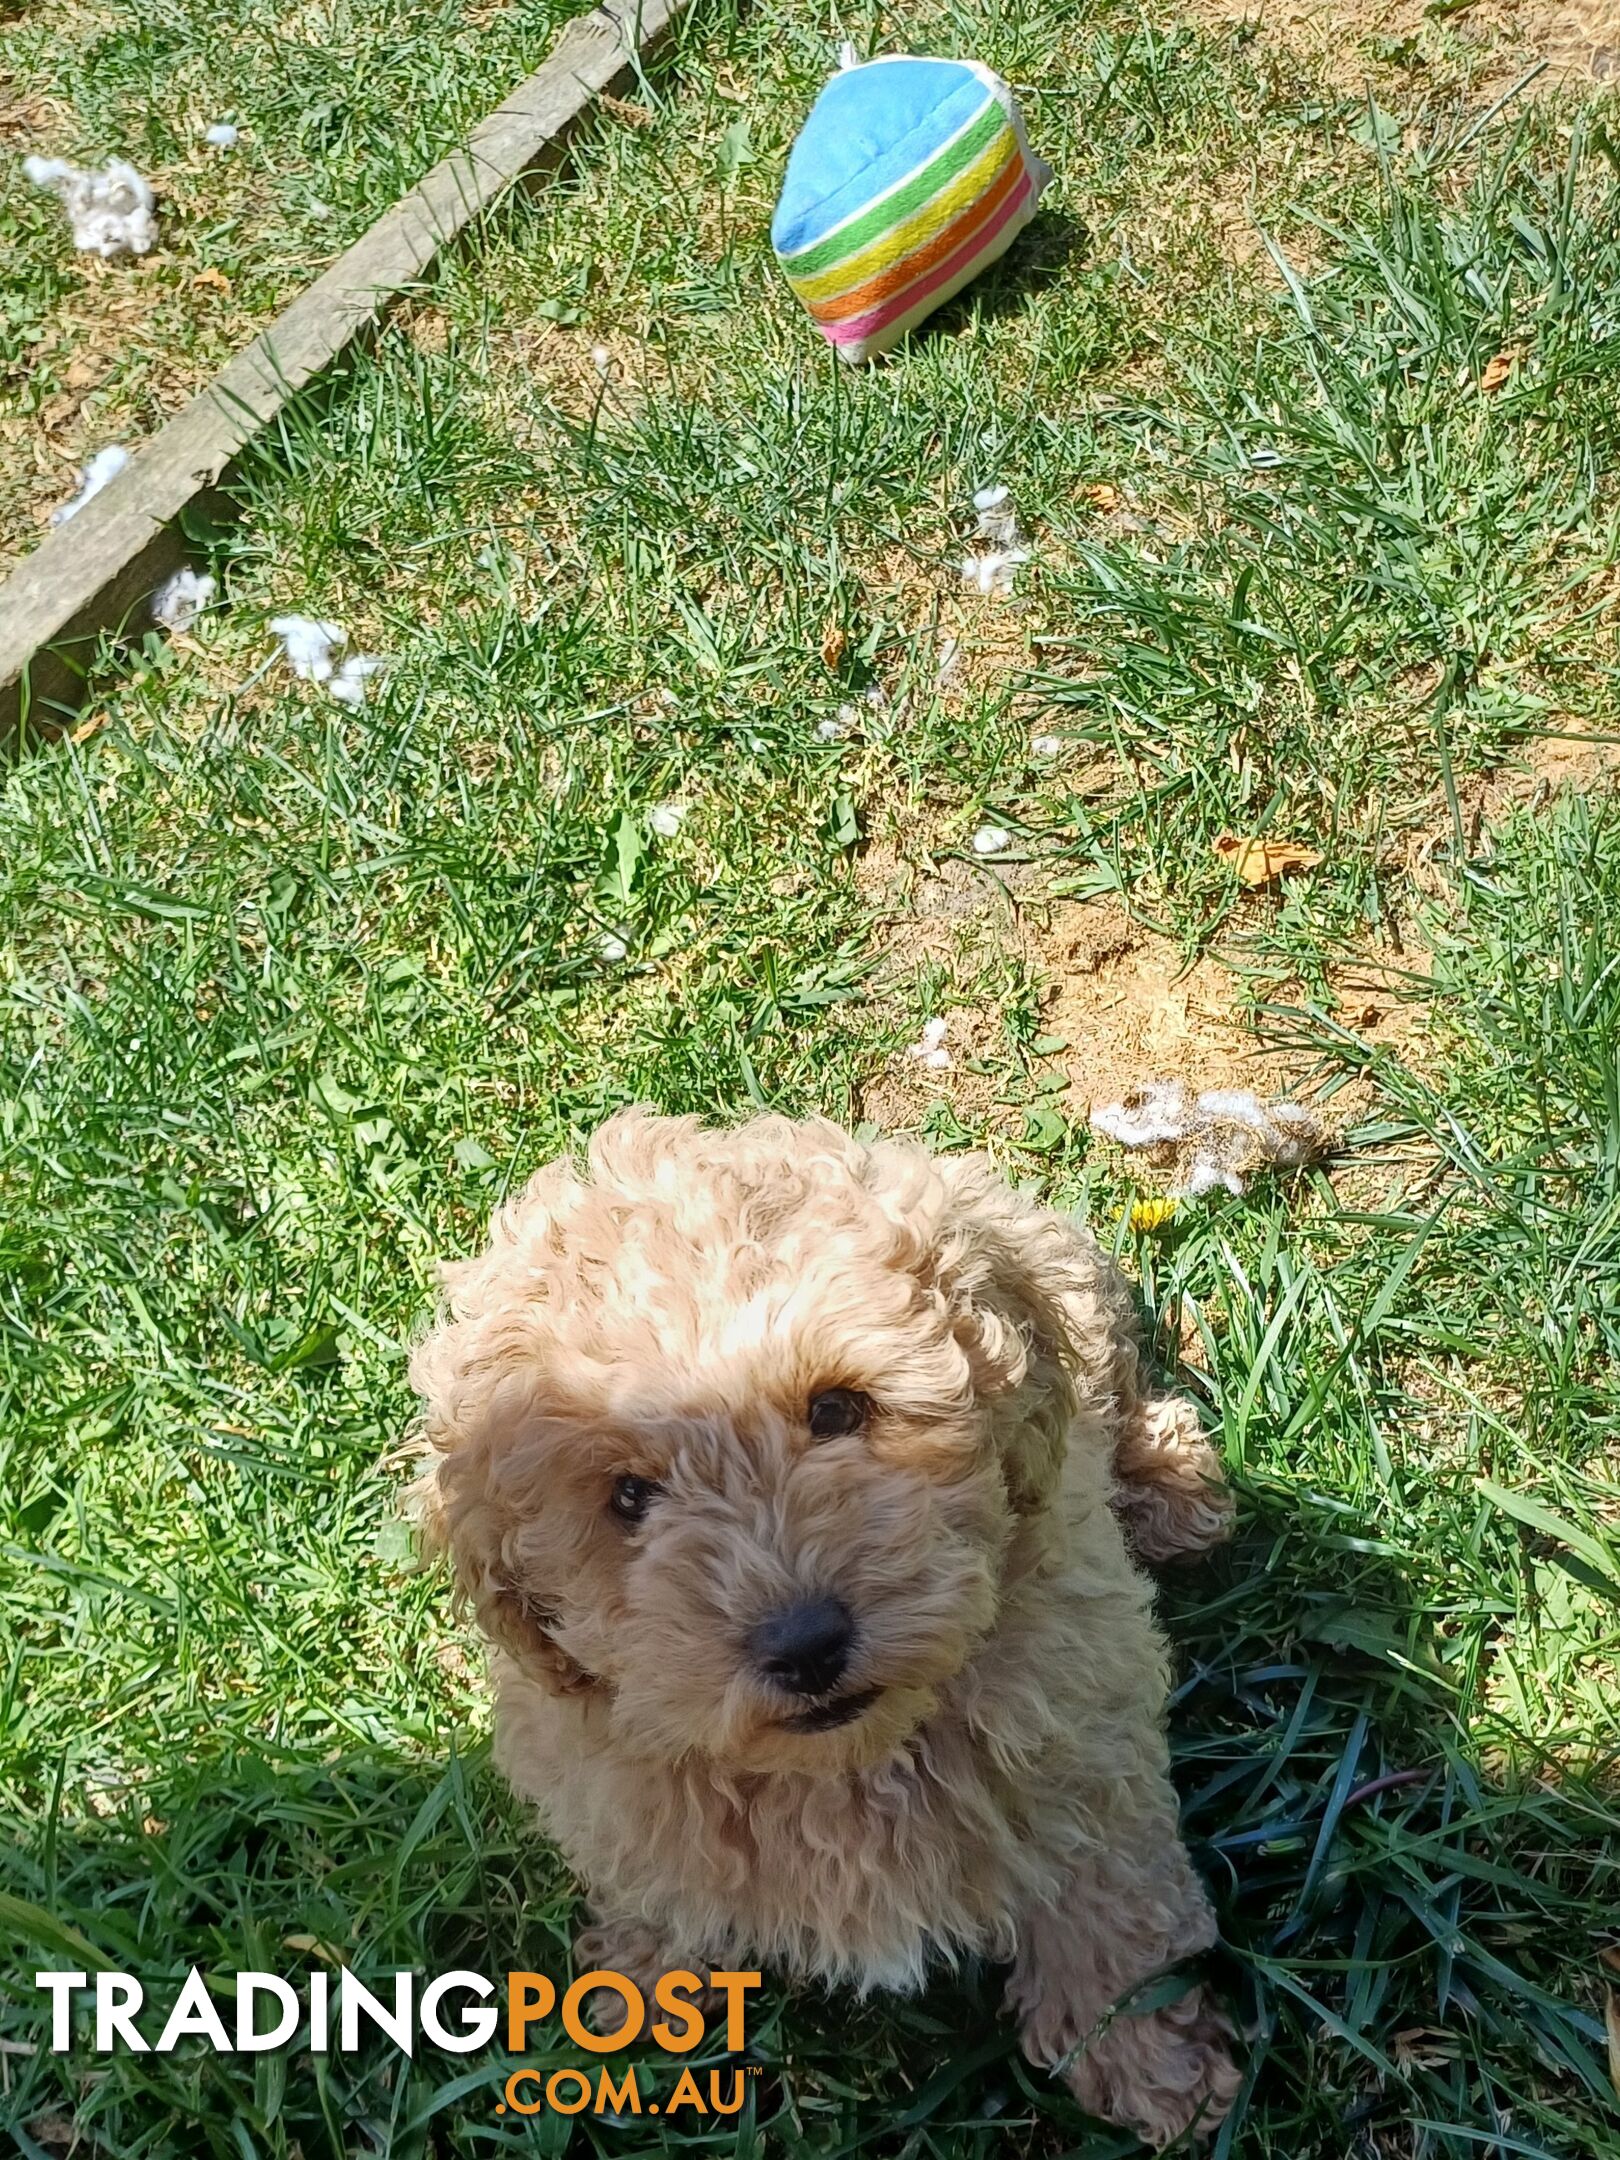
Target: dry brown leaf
[(1609, 1953), (626, 111), (1258, 861), (833, 648), (81, 374), (1423, 2046), (1101, 494), (54, 2130), (214, 277), (1611, 2025), (1497, 371), (87, 728), (313, 1946)]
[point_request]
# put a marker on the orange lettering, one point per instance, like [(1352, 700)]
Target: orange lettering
[(734, 1986), (733, 2106), (528, 1996), (614, 2100), (523, 2107), (686, 2094), (672, 1992), (554, 2098), (635, 2011)]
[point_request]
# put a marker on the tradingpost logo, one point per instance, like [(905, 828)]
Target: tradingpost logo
[(250, 2013)]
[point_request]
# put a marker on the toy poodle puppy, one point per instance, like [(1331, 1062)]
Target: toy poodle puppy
[(800, 1486)]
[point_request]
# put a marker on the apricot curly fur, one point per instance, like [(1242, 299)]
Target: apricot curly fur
[(666, 1311)]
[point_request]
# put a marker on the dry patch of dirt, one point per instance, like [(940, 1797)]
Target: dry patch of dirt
[(1573, 757), (1486, 44), (578, 371), (1123, 999), (1131, 1008), (1126, 1004), (1582, 39), (1577, 757)]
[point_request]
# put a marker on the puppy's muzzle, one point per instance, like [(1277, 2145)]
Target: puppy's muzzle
[(805, 1648)]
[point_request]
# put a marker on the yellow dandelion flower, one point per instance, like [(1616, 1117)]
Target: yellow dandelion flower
[(1150, 1214)]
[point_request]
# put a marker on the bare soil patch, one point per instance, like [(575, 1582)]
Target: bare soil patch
[(1485, 44), (1124, 1000)]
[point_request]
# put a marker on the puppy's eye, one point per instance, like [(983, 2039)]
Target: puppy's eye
[(837, 1411), (632, 1497)]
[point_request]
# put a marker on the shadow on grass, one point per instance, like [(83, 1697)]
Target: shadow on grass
[(1051, 248), (1407, 1918), (1403, 1932)]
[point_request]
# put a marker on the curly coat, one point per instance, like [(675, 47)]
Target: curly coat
[(666, 1314)]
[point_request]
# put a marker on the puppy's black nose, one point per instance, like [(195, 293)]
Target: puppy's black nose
[(805, 1647)]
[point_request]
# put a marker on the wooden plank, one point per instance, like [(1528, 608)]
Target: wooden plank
[(97, 573)]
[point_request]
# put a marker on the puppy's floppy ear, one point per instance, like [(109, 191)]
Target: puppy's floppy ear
[(1045, 1321), (475, 1374), (511, 1615)]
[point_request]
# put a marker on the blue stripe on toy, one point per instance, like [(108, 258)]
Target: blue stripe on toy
[(869, 129)]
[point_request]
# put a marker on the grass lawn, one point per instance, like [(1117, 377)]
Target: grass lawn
[(290, 995), (341, 106)]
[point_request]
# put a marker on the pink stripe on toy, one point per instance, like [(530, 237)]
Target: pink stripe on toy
[(865, 326)]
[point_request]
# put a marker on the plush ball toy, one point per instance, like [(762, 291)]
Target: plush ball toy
[(908, 179)]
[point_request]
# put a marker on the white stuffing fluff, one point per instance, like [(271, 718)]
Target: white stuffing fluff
[(994, 574), (177, 604), (348, 684), (990, 840), (222, 135), (998, 517), (111, 212), (310, 647), (1216, 1139), (1046, 746), (667, 819), (611, 946), (994, 568), (875, 701), (929, 1048), (1156, 1115), (106, 465)]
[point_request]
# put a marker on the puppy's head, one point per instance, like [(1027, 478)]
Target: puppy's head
[(735, 1428)]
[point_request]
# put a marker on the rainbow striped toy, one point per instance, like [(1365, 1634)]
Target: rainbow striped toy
[(908, 179)]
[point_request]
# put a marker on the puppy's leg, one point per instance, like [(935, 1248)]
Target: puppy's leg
[(1170, 1491), (1127, 1913), (643, 1955)]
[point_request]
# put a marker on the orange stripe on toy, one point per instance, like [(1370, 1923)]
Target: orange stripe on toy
[(955, 266), (911, 267)]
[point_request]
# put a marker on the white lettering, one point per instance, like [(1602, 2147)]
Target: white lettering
[(354, 1996), (61, 1986), (194, 2012), (118, 1997), (476, 2026), (249, 1986)]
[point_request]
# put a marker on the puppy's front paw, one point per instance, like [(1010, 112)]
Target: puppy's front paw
[(1160, 2074), (642, 1955), (1170, 1492)]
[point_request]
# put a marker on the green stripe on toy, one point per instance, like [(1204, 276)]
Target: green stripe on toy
[(909, 177)]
